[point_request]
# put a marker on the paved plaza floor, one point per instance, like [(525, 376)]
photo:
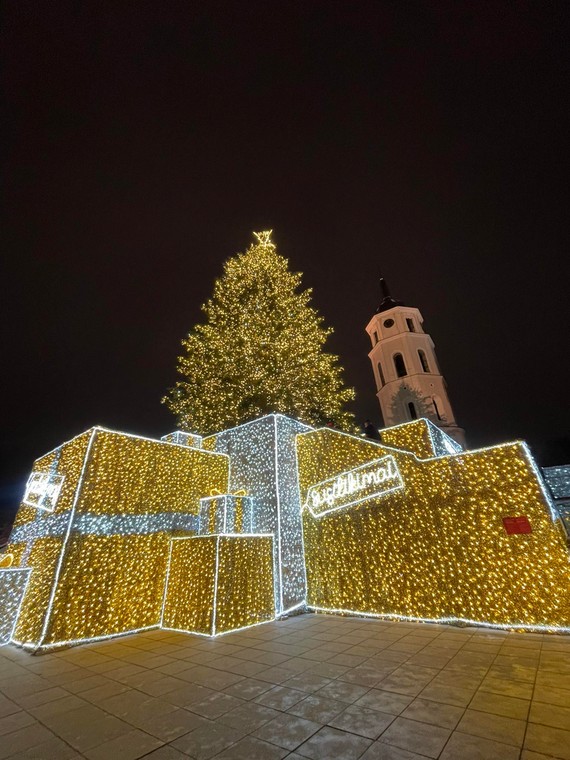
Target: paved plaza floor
[(311, 686)]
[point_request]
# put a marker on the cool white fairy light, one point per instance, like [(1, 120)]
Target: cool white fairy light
[(263, 464), (369, 481), (42, 490)]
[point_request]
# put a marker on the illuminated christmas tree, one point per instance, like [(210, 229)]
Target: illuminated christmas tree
[(259, 351)]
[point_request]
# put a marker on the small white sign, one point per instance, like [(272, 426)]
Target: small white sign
[(370, 480), (42, 490)]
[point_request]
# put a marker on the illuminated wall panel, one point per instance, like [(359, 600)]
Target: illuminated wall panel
[(421, 437), (108, 585), (12, 586), (42, 561), (438, 547), (190, 586), (245, 582), (219, 583), (127, 474)]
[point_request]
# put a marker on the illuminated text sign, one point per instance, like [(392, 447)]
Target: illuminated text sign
[(370, 480)]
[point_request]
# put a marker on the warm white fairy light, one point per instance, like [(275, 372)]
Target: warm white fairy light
[(436, 549), (402, 531), (13, 582)]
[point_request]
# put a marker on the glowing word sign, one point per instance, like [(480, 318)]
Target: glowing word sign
[(375, 478), (42, 490)]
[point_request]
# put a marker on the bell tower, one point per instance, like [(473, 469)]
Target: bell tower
[(408, 380)]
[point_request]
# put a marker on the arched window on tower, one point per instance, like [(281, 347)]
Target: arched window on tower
[(381, 375), (412, 411), (423, 360), (400, 365)]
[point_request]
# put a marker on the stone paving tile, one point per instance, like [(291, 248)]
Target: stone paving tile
[(24, 685), (248, 716), (215, 705), (319, 709), (451, 695), (507, 687), (381, 751), (86, 727), (552, 695), (14, 721), (135, 704), (327, 669), (434, 713), (275, 675), (280, 697), (100, 693), (307, 682), (7, 707), (548, 740), (169, 726), (368, 675), (287, 731), (52, 749), (385, 701), (342, 691), (362, 721), (381, 682), (187, 695), (416, 737), (167, 752), (57, 706), (24, 739), (510, 707), (550, 715), (467, 747), (496, 727), (333, 743), (248, 688), (251, 748), (208, 740), (129, 746)]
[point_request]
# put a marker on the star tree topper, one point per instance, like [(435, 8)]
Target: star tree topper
[(264, 238)]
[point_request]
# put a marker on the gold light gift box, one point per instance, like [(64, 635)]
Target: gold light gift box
[(436, 547), (98, 560), (119, 533)]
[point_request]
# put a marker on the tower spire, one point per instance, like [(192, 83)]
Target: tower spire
[(387, 302)]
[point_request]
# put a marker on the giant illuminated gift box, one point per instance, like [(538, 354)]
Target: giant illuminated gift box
[(202, 570), (95, 527), (121, 533), (467, 536), (13, 583)]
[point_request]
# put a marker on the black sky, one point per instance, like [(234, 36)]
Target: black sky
[(143, 142)]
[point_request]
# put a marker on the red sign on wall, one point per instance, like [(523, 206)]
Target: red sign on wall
[(517, 525)]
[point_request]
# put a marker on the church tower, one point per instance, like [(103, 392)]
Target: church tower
[(409, 382)]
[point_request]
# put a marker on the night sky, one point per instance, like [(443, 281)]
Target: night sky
[(144, 142)]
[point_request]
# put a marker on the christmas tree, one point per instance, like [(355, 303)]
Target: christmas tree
[(259, 351)]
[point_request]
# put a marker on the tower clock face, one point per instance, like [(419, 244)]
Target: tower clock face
[(388, 323)]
